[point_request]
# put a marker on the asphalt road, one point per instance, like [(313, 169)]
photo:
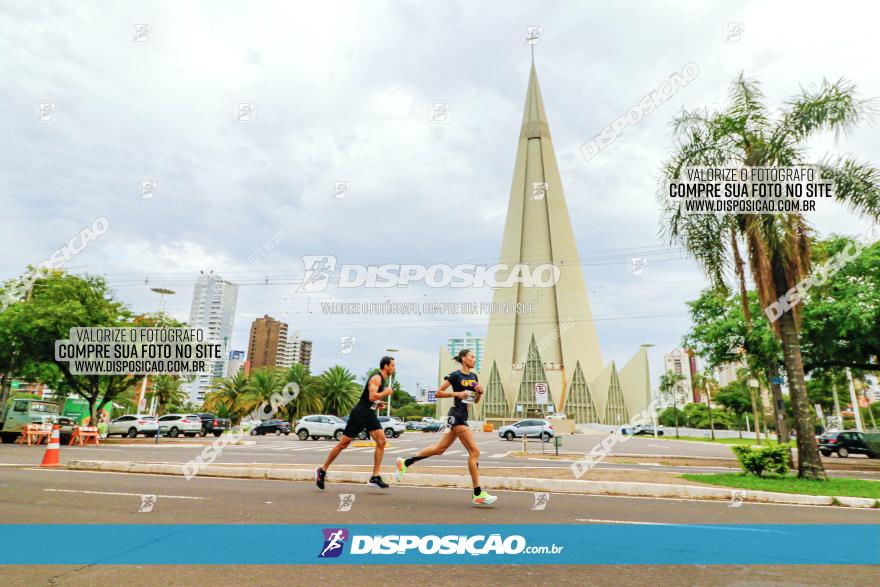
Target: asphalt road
[(494, 452), (29, 495)]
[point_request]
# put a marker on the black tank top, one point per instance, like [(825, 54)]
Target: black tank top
[(365, 402), (461, 382)]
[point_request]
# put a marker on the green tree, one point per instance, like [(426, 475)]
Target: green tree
[(414, 411), (778, 247), (261, 386), (841, 317), (707, 386), (668, 383), (736, 397), (223, 399), (308, 400), (338, 389), (167, 391), (56, 304)]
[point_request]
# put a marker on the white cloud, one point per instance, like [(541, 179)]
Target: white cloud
[(342, 92)]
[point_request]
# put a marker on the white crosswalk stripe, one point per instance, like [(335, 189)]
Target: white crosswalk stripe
[(398, 450)]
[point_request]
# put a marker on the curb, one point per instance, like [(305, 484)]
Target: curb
[(619, 488)]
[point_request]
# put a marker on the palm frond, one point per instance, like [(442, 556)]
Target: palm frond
[(833, 106), (856, 184)]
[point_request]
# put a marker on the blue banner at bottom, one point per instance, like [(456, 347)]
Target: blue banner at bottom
[(580, 544)]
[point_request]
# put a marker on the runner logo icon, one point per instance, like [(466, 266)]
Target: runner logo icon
[(334, 541)]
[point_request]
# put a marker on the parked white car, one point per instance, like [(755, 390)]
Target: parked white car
[(174, 425), (131, 425), (319, 426), (392, 427)]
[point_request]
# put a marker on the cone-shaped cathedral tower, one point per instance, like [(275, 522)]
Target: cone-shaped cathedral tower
[(556, 344)]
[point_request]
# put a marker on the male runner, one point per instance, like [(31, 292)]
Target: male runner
[(467, 391), (363, 417)]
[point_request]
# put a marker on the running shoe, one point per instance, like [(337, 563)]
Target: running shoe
[(400, 470), (320, 474), (377, 482), (484, 498)]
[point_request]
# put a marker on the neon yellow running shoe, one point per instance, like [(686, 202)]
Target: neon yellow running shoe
[(484, 498), (400, 469)]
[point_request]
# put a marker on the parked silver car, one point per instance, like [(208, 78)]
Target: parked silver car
[(529, 428)]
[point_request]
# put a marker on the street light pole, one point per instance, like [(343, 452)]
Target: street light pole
[(154, 405), (391, 353)]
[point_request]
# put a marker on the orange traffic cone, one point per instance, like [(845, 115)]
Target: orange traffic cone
[(50, 458)]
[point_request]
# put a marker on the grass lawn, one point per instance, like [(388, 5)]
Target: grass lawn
[(835, 486), (735, 441)]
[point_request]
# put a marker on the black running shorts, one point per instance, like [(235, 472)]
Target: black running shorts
[(456, 417), (361, 418)]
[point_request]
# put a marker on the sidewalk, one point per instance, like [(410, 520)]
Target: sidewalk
[(663, 485)]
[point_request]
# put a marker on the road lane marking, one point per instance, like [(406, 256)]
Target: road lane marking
[(701, 526), (118, 493), (500, 455)]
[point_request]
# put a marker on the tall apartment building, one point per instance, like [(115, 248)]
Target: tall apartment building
[(468, 341), (268, 343), (213, 310), (305, 353), (680, 363), (296, 351)]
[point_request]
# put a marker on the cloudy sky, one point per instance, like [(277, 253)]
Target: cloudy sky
[(342, 91)]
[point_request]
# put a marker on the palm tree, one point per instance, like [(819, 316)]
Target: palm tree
[(225, 395), (308, 400), (261, 386), (777, 245), (707, 384), (339, 390), (166, 389), (668, 382)]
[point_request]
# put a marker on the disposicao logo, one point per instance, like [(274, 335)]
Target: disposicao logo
[(334, 541)]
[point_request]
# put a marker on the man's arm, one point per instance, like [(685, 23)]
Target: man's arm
[(375, 394)]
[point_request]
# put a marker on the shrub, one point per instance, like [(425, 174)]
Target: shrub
[(768, 460)]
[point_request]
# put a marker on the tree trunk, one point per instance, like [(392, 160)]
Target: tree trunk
[(5, 392), (755, 417), (93, 408), (747, 316), (809, 461), (709, 407), (778, 403), (675, 412)]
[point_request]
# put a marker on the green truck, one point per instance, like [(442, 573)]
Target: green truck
[(21, 412)]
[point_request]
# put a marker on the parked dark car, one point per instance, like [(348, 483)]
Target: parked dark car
[(431, 427), (845, 444), (211, 424), (276, 427)]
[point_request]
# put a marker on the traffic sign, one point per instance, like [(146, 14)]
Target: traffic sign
[(542, 392)]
